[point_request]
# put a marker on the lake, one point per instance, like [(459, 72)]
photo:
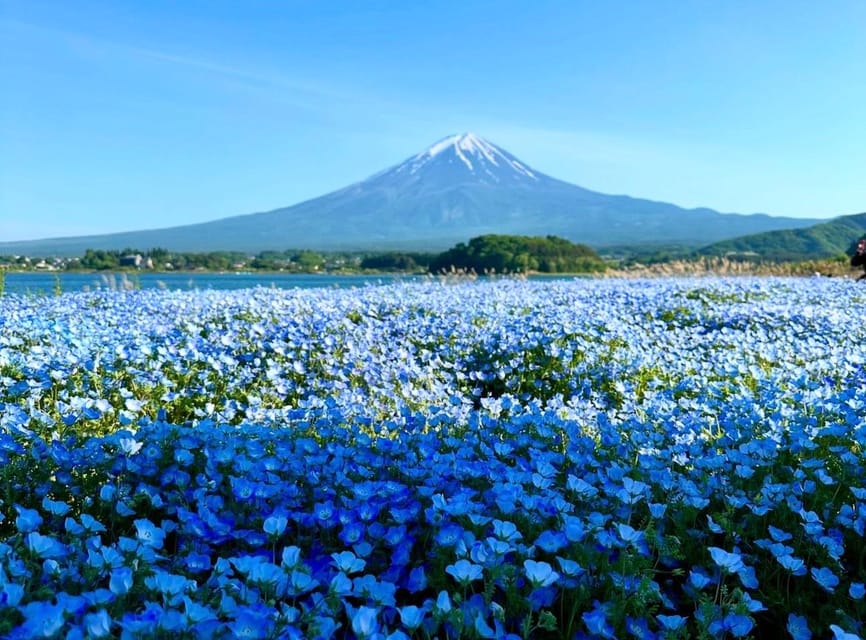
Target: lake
[(45, 283)]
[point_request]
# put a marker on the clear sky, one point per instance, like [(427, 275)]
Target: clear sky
[(128, 115)]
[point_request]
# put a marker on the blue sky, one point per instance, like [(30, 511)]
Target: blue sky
[(129, 115)]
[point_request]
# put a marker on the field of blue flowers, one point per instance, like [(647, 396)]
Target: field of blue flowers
[(501, 459)]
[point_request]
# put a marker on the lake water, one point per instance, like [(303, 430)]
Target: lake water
[(46, 283)]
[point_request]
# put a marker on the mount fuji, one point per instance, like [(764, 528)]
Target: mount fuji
[(458, 188)]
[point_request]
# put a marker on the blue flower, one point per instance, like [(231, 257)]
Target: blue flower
[(300, 582), (11, 594), (274, 526), (569, 568), (596, 622), (736, 624), (443, 603), (857, 590), (250, 624), (698, 578), (507, 531), (728, 562), (540, 574), (798, 627), (365, 621), (825, 578), (411, 616), (417, 580), (348, 562), (98, 624), (671, 623), (42, 620), (574, 527), (341, 585), (55, 507), (45, 546), (840, 634), (27, 520), (796, 566), (149, 534), (464, 571)]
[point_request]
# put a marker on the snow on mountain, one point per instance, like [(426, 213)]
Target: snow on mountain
[(460, 187), (472, 153)]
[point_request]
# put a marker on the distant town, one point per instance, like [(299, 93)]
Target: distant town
[(162, 260)]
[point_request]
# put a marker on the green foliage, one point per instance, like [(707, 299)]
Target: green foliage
[(519, 254), (825, 240), (397, 261)]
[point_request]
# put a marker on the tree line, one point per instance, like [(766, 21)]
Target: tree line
[(483, 254), (518, 254)]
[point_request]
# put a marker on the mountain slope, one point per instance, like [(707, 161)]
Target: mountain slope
[(462, 186), (824, 240)]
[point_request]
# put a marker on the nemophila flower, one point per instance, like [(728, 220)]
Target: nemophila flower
[(752, 604), (825, 578), (857, 590), (840, 634), (107, 493), (352, 533), (149, 534), (271, 577), (464, 571), (596, 622), (540, 574), (11, 594), (41, 619), (120, 581), (98, 624), (251, 624), (632, 491), (340, 585), (551, 541), (365, 621), (657, 510), (507, 531), (411, 616), (347, 562), (27, 519), (574, 528), (671, 623), (639, 628), (443, 603), (449, 535), (811, 522), (726, 561), (54, 507), (715, 528), (569, 567), (698, 579), (291, 557), (301, 582), (796, 566), (45, 546), (798, 628), (171, 586), (736, 624), (274, 526), (417, 580), (747, 577)]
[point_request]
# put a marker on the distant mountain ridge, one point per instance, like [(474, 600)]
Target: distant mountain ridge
[(824, 240), (458, 188)]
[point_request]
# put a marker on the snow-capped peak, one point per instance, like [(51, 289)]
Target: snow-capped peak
[(475, 153)]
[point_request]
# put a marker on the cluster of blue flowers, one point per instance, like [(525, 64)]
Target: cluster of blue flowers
[(504, 459)]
